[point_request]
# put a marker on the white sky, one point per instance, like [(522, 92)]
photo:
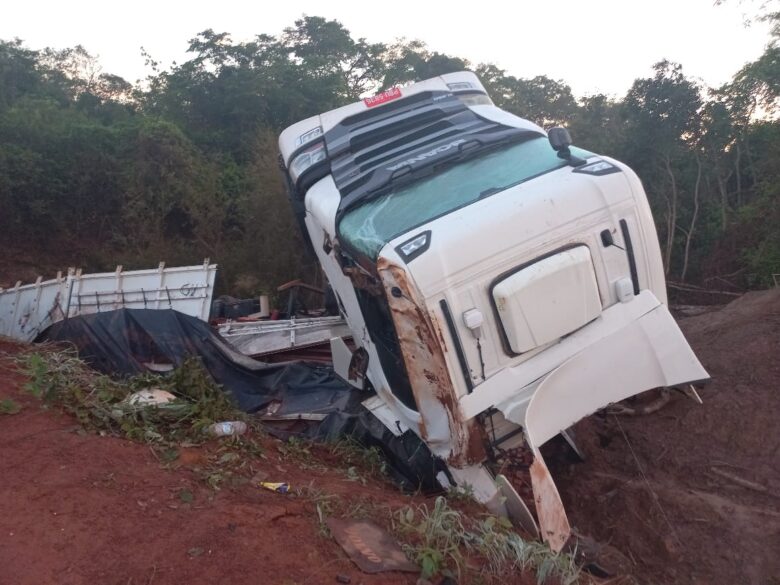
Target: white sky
[(596, 45)]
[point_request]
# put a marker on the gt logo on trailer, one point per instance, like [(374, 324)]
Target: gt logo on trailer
[(381, 98)]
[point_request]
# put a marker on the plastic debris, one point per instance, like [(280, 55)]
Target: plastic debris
[(281, 488), (228, 428), (150, 396)]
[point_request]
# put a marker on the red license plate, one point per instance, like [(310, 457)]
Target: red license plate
[(381, 98)]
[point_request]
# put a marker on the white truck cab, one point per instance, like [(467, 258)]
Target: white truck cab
[(499, 284)]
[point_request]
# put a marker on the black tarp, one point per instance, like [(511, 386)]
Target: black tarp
[(124, 341), (121, 342), (409, 461)]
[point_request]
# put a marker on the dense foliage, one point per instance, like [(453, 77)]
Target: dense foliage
[(96, 171)]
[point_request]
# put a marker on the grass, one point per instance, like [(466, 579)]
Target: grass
[(325, 505), (440, 534), (361, 462), (232, 464), (441, 539), (9, 406), (463, 494), (358, 462), (448, 542), (101, 405), (297, 449), (445, 541)]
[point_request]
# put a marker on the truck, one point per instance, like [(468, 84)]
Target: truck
[(499, 283)]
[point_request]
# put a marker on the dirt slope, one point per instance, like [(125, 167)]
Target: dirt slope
[(82, 509), (686, 520), (78, 509)]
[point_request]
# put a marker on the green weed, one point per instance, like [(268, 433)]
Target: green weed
[(101, 403), (9, 406), (361, 461), (439, 534), (461, 493), (443, 540), (325, 504), (296, 449)]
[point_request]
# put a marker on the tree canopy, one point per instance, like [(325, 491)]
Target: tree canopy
[(97, 171)]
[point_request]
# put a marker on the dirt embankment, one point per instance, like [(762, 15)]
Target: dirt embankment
[(80, 508), (77, 508), (691, 494)]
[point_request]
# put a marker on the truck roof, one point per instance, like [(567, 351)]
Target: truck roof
[(369, 144), (461, 82)]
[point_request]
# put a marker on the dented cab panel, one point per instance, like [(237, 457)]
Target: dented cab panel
[(421, 343)]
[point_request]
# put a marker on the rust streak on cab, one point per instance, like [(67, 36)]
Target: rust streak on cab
[(421, 345)]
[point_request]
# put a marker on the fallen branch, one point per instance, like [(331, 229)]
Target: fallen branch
[(745, 483), (729, 275), (697, 289), (724, 281)]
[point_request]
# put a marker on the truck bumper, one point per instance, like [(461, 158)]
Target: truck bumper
[(650, 352)]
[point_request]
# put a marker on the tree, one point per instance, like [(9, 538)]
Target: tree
[(410, 61), (327, 52), (18, 73), (543, 100), (99, 171), (597, 125), (662, 121)]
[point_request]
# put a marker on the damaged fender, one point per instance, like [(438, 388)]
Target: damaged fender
[(422, 345), (655, 354)]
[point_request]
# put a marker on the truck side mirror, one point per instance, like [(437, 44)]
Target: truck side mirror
[(560, 139)]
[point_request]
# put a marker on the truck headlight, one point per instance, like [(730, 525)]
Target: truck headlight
[(307, 159), (598, 167)]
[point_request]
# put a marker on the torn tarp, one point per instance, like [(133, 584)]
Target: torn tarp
[(127, 342), (409, 460), (134, 341)]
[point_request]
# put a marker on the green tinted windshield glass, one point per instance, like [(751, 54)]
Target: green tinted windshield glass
[(372, 224)]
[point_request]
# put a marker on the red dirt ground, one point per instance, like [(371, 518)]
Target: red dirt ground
[(78, 509), (685, 523), (82, 509)]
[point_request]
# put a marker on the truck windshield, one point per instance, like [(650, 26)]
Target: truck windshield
[(369, 226)]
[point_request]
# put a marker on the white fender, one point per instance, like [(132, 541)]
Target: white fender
[(656, 355)]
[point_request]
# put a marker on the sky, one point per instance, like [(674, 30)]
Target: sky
[(594, 46)]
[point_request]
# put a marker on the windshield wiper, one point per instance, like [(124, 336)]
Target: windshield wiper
[(490, 191)]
